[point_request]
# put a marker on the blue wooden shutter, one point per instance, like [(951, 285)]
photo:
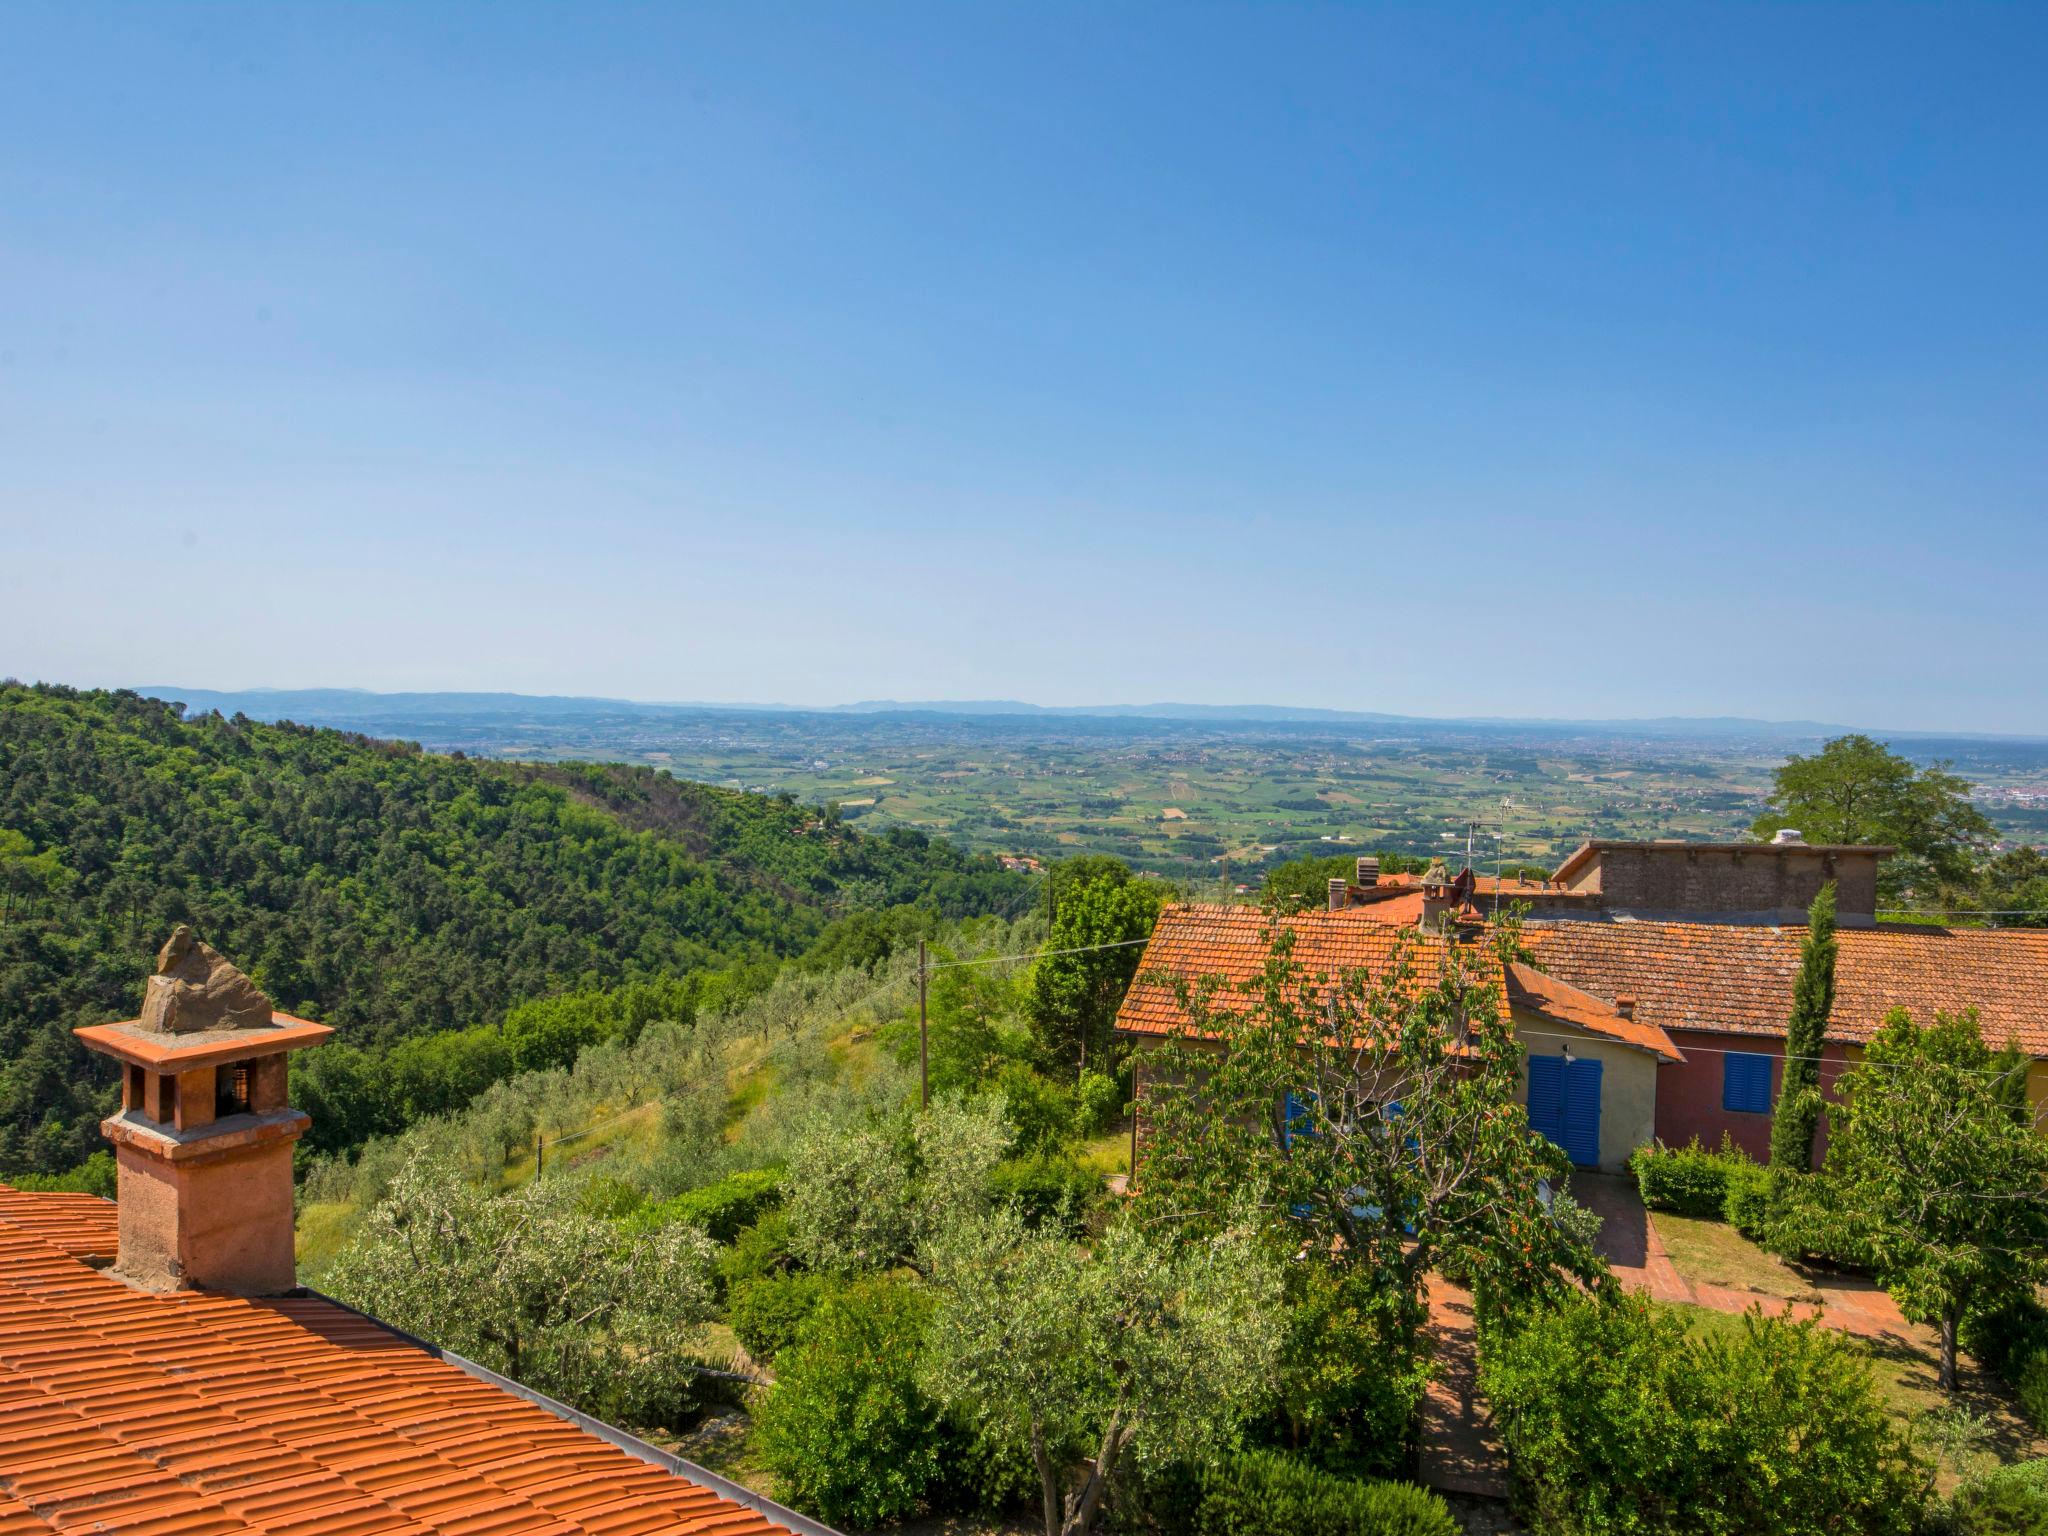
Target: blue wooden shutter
[(1582, 1113), (1546, 1097), (1300, 1118), (1746, 1082)]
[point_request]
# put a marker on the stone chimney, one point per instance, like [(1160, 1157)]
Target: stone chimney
[(203, 1141), (1340, 897), (1369, 870), (1436, 897), (1625, 1005)]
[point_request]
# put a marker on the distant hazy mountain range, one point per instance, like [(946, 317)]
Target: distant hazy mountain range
[(362, 709)]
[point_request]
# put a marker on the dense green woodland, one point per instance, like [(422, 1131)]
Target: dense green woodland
[(389, 892)]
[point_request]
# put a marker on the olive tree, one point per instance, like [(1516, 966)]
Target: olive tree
[(532, 1284), (1147, 1347), (869, 1197)]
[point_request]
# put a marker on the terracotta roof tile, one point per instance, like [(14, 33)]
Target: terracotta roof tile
[(205, 1415), (1738, 979), (1530, 989), (1197, 940)]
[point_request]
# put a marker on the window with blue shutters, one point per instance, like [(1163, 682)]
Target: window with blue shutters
[(1746, 1082), (1299, 1118)]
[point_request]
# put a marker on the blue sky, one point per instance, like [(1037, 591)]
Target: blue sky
[(1602, 360)]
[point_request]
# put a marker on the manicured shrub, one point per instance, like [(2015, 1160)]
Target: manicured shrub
[(721, 1209), (1617, 1417), (1748, 1201), (1046, 1187), (1689, 1180), (846, 1429), (768, 1311), (1267, 1493), (2012, 1501)]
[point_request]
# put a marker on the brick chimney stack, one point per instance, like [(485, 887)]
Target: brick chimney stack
[(1340, 897), (203, 1140)]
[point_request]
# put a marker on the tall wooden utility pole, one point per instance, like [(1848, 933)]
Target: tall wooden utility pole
[(924, 1058)]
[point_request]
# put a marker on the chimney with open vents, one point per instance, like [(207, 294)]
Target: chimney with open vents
[(1369, 870), (1340, 897), (203, 1140)]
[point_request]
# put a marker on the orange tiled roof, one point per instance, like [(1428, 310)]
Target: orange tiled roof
[(1738, 979), (193, 1414), (1530, 989), (1204, 939)]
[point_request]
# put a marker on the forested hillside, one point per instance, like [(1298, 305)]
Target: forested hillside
[(380, 889)]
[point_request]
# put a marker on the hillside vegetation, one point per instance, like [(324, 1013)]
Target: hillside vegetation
[(390, 892)]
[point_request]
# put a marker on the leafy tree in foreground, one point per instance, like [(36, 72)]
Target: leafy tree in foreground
[(1077, 987), (535, 1285), (1935, 1172), (1856, 790), (1401, 1146), (1813, 999), (1148, 1349)]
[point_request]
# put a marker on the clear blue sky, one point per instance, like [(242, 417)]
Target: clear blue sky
[(1524, 360)]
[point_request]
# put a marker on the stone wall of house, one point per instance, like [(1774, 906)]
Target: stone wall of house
[(1765, 882)]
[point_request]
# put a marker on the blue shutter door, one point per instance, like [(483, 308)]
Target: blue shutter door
[(1746, 1082), (1582, 1113), (1546, 1097)]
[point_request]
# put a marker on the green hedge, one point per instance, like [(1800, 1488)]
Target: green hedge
[(1618, 1417), (1689, 1180), (721, 1209), (1268, 1493), (1748, 1201), (2012, 1501), (2012, 1342)]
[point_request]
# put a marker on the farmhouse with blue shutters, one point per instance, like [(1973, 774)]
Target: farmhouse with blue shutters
[(1591, 1070)]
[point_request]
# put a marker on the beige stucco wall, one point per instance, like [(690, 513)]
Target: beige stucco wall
[(1628, 1083)]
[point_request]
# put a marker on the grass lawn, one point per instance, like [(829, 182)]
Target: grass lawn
[(1904, 1375), (1714, 1253), (1109, 1153)]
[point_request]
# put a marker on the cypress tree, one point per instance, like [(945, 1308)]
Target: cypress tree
[(1813, 999)]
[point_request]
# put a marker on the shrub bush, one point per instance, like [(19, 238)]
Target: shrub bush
[(1617, 1418), (2012, 1342), (2030, 1385), (1046, 1187), (1749, 1199), (762, 1249), (846, 1429), (1689, 1180), (721, 1209), (1266, 1493), (94, 1176), (1098, 1103), (770, 1310), (2012, 1501), (1347, 1401)]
